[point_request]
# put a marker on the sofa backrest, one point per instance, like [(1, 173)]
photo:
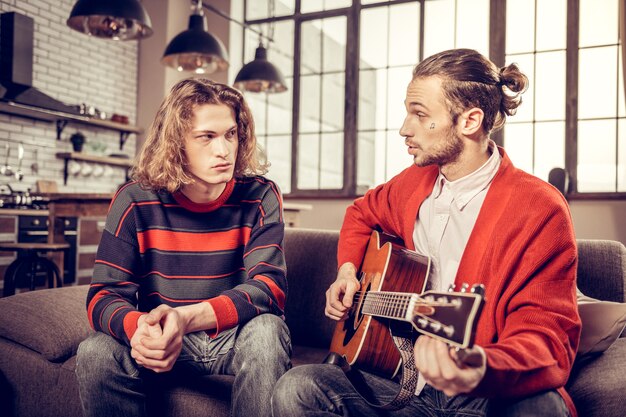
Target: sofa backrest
[(602, 269), (312, 267)]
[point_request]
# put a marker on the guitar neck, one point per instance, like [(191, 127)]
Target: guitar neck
[(390, 305)]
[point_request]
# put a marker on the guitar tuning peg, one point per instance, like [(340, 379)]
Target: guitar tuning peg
[(478, 289), (464, 287), (451, 287)]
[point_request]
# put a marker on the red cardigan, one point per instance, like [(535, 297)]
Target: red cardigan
[(522, 248)]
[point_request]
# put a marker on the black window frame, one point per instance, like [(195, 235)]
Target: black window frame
[(497, 46)]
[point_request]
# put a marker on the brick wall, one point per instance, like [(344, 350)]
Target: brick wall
[(74, 68)]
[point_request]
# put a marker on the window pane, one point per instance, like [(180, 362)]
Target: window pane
[(308, 161), (397, 156), (404, 34), (526, 64), (310, 87), (333, 102), (372, 99), (550, 86), (518, 142), (374, 38), (280, 52), (260, 9), (597, 82), (331, 172), (621, 111), (311, 55), (380, 146), (366, 160), (280, 110), (596, 156), (520, 26), (438, 26), (278, 151), (598, 22), (551, 24), (334, 43), (621, 158), (308, 6), (258, 107), (473, 25), (399, 79), (549, 148)]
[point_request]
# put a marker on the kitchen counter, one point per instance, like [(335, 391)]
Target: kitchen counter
[(23, 212)]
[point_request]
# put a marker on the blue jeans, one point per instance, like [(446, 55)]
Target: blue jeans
[(257, 354), (324, 390)]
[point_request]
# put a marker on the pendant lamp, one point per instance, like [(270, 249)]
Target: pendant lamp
[(260, 75), (113, 19), (195, 49)]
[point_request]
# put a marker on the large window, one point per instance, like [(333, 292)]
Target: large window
[(347, 63)]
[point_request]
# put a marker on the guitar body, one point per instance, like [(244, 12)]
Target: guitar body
[(364, 340)]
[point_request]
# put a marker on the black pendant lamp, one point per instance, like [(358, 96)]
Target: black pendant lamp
[(260, 75), (196, 49), (112, 19)]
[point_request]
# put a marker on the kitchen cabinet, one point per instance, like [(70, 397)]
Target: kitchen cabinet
[(62, 119), (89, 233), (8, 233)]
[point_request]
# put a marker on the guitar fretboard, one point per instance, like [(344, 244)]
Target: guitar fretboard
[(391, 305)]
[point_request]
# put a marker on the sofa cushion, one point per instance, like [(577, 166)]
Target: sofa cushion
[(310, 255), (597, 384), (31, 313), (602, 324)]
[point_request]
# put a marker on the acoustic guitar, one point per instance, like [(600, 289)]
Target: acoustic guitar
[(392, 302)]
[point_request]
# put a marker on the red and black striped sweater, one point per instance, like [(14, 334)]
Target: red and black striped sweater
[(162, 248)]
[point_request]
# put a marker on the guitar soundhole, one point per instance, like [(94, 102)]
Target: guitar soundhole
[(355, 317)]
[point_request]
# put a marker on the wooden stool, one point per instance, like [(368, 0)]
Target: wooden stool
[(27, 262)]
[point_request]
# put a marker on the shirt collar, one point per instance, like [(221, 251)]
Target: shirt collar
[(466, 188)]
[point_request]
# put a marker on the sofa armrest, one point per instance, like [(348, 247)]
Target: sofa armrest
[(51, 322), (602, 269)]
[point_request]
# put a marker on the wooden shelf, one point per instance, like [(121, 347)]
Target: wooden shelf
[(79, 156), (62, 119)]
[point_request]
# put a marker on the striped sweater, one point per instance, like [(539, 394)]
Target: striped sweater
[(162, 248)]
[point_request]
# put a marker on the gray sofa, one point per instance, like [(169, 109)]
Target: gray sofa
[(40, 331)]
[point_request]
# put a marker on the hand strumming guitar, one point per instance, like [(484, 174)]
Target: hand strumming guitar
[(447, 370), (340, 294)]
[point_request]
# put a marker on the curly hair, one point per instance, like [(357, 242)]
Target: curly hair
[(471, 80), (161, 163)]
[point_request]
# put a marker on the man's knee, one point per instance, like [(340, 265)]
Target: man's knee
[(100, 354), (288, 390), (266, 334)]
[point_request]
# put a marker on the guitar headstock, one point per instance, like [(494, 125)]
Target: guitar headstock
[(449, 316)]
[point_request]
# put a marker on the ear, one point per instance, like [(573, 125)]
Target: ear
[(470, 121)]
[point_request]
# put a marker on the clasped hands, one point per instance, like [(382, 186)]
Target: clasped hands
[(440, 365), (158, 340)]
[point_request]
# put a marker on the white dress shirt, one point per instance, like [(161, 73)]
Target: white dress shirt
[(445, 222)]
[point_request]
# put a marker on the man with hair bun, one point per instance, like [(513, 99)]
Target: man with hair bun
[(189, 278), (481, 220)]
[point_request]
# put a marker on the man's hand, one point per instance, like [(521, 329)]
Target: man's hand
[(443, 369), (341, 292), (159, 339)]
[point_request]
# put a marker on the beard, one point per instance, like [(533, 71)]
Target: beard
[(446, 152)]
